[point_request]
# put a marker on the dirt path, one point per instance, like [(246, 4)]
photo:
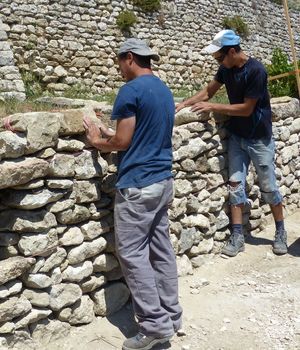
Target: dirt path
[(243, 303)]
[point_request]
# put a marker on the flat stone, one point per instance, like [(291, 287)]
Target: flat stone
[(38, 244), (62, 295), (10, 288), (26, 221), (76, 273), (93, 282), (86, 250), (14, 307), (21, 172), (105, 263), (36, 297), (14, 267)]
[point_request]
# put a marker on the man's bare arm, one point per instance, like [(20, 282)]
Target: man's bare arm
[(119, 141), (204, 95)]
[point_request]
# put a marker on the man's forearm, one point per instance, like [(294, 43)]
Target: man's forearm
[(107, 144), (234, 110)]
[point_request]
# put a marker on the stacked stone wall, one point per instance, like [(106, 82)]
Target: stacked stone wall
[(11, 84), (58, 266), (69, 42)]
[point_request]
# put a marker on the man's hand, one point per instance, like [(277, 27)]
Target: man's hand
[(92, 131), (180, 106), (201, 107)]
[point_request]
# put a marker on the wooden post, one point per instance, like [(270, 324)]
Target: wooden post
[(286, 10)]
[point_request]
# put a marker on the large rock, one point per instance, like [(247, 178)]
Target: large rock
[(105, 263), (25, 221), (92, 283), (54, 260), (26, 200), (12, 145), (41, 128), (14, 307), (14, 267), (37, 298), (86, 250), (37, 280), (110, 299), (38, 244), (10, 288), (21, 172), (34, 316), (185, 116), (74, 215), (93, 229), (197, 220), (76, 273), (72, 236), (89, 164), (62, 165), (86, 191), (64, 294), (82, 312)]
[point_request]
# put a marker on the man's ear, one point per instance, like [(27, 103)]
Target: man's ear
[(130, 58)]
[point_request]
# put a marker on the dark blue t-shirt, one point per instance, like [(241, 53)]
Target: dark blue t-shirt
[(149, 157), (249, 81)]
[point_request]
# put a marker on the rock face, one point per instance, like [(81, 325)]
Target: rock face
[(14, 267), (57, 256), (62, 60)]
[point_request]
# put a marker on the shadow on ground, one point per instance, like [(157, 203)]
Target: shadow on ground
[(294, 248), (252, 240)]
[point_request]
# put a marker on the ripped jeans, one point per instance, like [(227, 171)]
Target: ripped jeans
[(261, 152)]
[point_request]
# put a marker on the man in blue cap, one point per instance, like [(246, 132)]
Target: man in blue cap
[(250, 128), (144, 110)]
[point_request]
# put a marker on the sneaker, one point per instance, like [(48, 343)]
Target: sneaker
[(144, 342), (235, 245), (279, 244)]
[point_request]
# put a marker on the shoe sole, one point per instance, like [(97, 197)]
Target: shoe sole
[(233, 254), (150, 345), (279, 252)]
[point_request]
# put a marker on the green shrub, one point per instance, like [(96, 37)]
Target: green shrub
[(286, 86), (292, 4), (78, 91), (33, 84), (147, 5), (237, 24), (126, 19)]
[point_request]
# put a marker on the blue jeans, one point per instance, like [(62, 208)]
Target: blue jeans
[(261, 152), (146, 256)]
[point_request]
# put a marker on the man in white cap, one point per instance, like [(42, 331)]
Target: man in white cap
[(250, 128), (144, 110)]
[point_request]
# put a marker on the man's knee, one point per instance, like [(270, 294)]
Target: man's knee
[(272, 197), (236, 193)]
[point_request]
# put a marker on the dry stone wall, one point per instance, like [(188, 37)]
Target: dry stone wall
[(11, 84), (58, 267), (69, 42)]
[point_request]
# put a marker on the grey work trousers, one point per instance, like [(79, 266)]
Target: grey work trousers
[(146, 256)]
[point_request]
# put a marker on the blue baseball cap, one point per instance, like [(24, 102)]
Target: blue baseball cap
[(225, 37)]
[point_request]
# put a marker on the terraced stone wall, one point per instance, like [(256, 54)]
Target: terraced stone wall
[(58, 267)]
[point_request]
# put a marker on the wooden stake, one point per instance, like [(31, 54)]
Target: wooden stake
[(286, 10)]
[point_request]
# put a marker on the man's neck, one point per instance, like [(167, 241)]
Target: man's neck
[(241, 59)]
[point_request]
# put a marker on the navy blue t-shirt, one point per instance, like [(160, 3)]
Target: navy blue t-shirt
[(249, 81), (149, 157)]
